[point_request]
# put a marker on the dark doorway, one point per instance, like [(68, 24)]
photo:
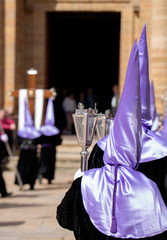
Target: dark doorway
[(83, 52)]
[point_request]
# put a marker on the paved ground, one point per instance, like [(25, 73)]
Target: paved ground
[(30, 215)]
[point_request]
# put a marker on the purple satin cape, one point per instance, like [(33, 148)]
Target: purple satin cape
[(139, 208)]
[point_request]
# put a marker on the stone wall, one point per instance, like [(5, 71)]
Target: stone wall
[(1, 53), (25, 42), (159, 49), (21, 37), (40, 8), (9, 49)]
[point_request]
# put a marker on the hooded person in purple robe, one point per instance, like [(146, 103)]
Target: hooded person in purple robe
[(49, 140), (28, 138), (154, 145), (116, 201)]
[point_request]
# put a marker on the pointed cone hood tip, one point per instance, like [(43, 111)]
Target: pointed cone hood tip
[(29, 130), (49, 129), (28, 117), (124, 141), (49, 117), (144, 79)]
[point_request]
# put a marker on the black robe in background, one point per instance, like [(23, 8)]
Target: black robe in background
[(28, 162), (60, 116), (47, 158), (71, 215), (2, 183), (155, 170), (96, 158)]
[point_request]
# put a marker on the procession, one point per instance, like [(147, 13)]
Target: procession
[(83, 143)]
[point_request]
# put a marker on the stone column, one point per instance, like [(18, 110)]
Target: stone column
[(158, 60), (1, 53), (9, 48)]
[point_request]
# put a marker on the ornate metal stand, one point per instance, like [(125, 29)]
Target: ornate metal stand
[(84, 122)]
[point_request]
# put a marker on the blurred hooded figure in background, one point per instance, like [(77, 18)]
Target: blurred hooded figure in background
[(28, 138), (50, 138)]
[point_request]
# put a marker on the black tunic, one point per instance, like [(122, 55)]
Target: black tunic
[(28, 162), (71, 215), (155, 170), (47, 158)]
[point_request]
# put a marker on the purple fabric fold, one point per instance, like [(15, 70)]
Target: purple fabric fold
[(114, 220)]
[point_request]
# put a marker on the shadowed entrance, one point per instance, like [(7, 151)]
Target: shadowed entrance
[(83, 52)]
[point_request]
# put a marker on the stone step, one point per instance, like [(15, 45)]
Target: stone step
[(67, 165), (64, 154), (70, 149), (71, 140)]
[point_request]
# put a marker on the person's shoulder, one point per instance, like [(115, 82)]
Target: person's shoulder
[(77, 182)]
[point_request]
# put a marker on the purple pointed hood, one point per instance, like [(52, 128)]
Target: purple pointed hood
[(116, 191), (29, 130), (153, 110), (154, 144), (49, 129), (28, 119), (124, 142)]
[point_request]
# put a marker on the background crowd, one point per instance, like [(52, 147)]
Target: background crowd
[(68, 100)]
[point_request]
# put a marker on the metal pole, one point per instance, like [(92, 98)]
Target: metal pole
[(84, 159)]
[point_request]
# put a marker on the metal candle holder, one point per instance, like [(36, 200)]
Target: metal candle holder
[(104, 122), (84, 122)]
